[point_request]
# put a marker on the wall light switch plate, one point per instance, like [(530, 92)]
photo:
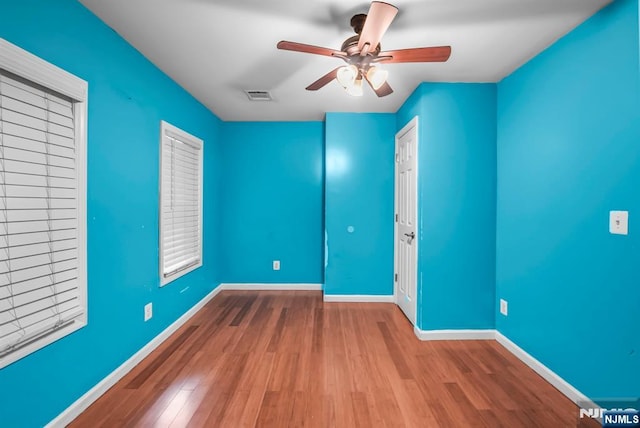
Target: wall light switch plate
[(504, 307), (148, 311), (619, 222), (276, 265)]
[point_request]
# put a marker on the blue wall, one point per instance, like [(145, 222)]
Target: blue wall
[(456, 203), (272, 202), (568, 153), (128, 97), (359, 153)]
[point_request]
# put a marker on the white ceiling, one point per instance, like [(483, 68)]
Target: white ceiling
[(217, 48)]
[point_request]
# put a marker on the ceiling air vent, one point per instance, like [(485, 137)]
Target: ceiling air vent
[(258, 95)]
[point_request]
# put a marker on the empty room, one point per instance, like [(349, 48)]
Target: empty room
[(322, 213)]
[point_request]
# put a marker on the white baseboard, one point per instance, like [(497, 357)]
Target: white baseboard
[(550, 376), (454, 334), (82, 403), (361, 298), (266, 286)]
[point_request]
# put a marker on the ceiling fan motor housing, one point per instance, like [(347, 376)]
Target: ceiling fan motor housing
[(350, 47)]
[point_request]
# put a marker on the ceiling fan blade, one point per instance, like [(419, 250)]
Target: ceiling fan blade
[(301, 47), (323, 81), (378, 20), (433, 54), (382, 91)]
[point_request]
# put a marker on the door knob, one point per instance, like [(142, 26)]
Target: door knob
[(411, 236)]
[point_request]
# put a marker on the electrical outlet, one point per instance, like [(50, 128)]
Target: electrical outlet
[(504, 307), (148, 311), (619, 222), (276, 265)]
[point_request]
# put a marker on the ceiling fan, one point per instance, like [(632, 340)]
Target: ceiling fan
[(363, 53)]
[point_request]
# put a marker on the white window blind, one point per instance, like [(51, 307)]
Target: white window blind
[(180, 203), (39, 281), (43, 284)]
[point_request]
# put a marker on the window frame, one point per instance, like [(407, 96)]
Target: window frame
[(167, 128), (30, 67)]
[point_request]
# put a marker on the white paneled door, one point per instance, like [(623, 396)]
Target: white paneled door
[(406, 195)]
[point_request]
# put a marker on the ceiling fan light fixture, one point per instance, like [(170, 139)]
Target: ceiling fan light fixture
[(347, 75), (377, 77), (355, 89)]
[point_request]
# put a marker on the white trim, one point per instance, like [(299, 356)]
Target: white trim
[(82, 403), (454, 334), (81, 118), (73, 326), (266, 286), (412, 124), (549, 375), (24, 64), (359, 298)]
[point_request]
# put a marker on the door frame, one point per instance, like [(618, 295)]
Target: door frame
[(413, 123)]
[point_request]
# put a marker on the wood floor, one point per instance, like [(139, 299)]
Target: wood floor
[(286, 359)]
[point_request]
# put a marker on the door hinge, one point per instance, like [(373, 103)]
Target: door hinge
[(396, 218), (395, 275)]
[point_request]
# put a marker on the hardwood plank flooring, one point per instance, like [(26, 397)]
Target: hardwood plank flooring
[(287, 359)]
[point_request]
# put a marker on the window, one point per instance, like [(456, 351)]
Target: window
[(180, 203), (43, 286)]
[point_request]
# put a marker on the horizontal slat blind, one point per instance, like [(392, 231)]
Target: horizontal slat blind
[(180, 206), (39, 286)]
